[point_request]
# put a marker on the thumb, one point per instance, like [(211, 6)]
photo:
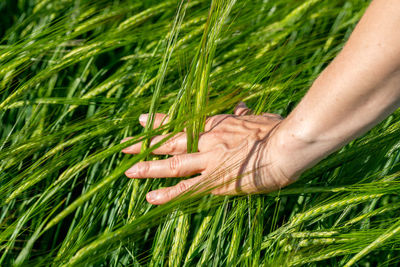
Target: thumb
[(241, 109)]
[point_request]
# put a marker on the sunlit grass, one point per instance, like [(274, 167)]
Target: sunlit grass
[(76, 75)]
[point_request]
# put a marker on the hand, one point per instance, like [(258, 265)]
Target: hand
[(234, 157)]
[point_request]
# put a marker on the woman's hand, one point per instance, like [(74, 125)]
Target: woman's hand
[(234, 157), (243, 153)]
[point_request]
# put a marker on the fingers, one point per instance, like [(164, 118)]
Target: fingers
[(241, 109), (177, 166), (173, 146), (163, 195), (159, 119)]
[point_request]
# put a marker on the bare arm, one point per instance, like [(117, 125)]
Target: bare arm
[(356, 91)]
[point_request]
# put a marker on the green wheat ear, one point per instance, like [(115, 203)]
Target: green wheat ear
[(76, 75)]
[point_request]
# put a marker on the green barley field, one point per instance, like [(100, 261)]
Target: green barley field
[(76, 74)]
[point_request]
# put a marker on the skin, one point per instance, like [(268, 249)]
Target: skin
[(260, 154)]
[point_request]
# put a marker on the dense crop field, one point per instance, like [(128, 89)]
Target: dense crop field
[(76, 74)]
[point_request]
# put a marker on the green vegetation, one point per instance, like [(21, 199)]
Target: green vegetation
[(76, 74)]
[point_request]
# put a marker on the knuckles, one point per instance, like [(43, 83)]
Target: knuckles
[(230, 120), (175, 164), (143, 169), (171, 144), (182, 187)]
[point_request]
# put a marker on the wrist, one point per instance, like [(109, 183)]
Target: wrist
[(292, 152)]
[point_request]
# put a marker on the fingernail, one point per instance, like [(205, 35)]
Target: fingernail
[(143, 118), (151, 196), (242, 104), (132, 171)]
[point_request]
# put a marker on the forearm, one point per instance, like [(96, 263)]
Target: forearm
[(356, 91)]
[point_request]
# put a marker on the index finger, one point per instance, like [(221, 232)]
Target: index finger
[(177, 166)]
